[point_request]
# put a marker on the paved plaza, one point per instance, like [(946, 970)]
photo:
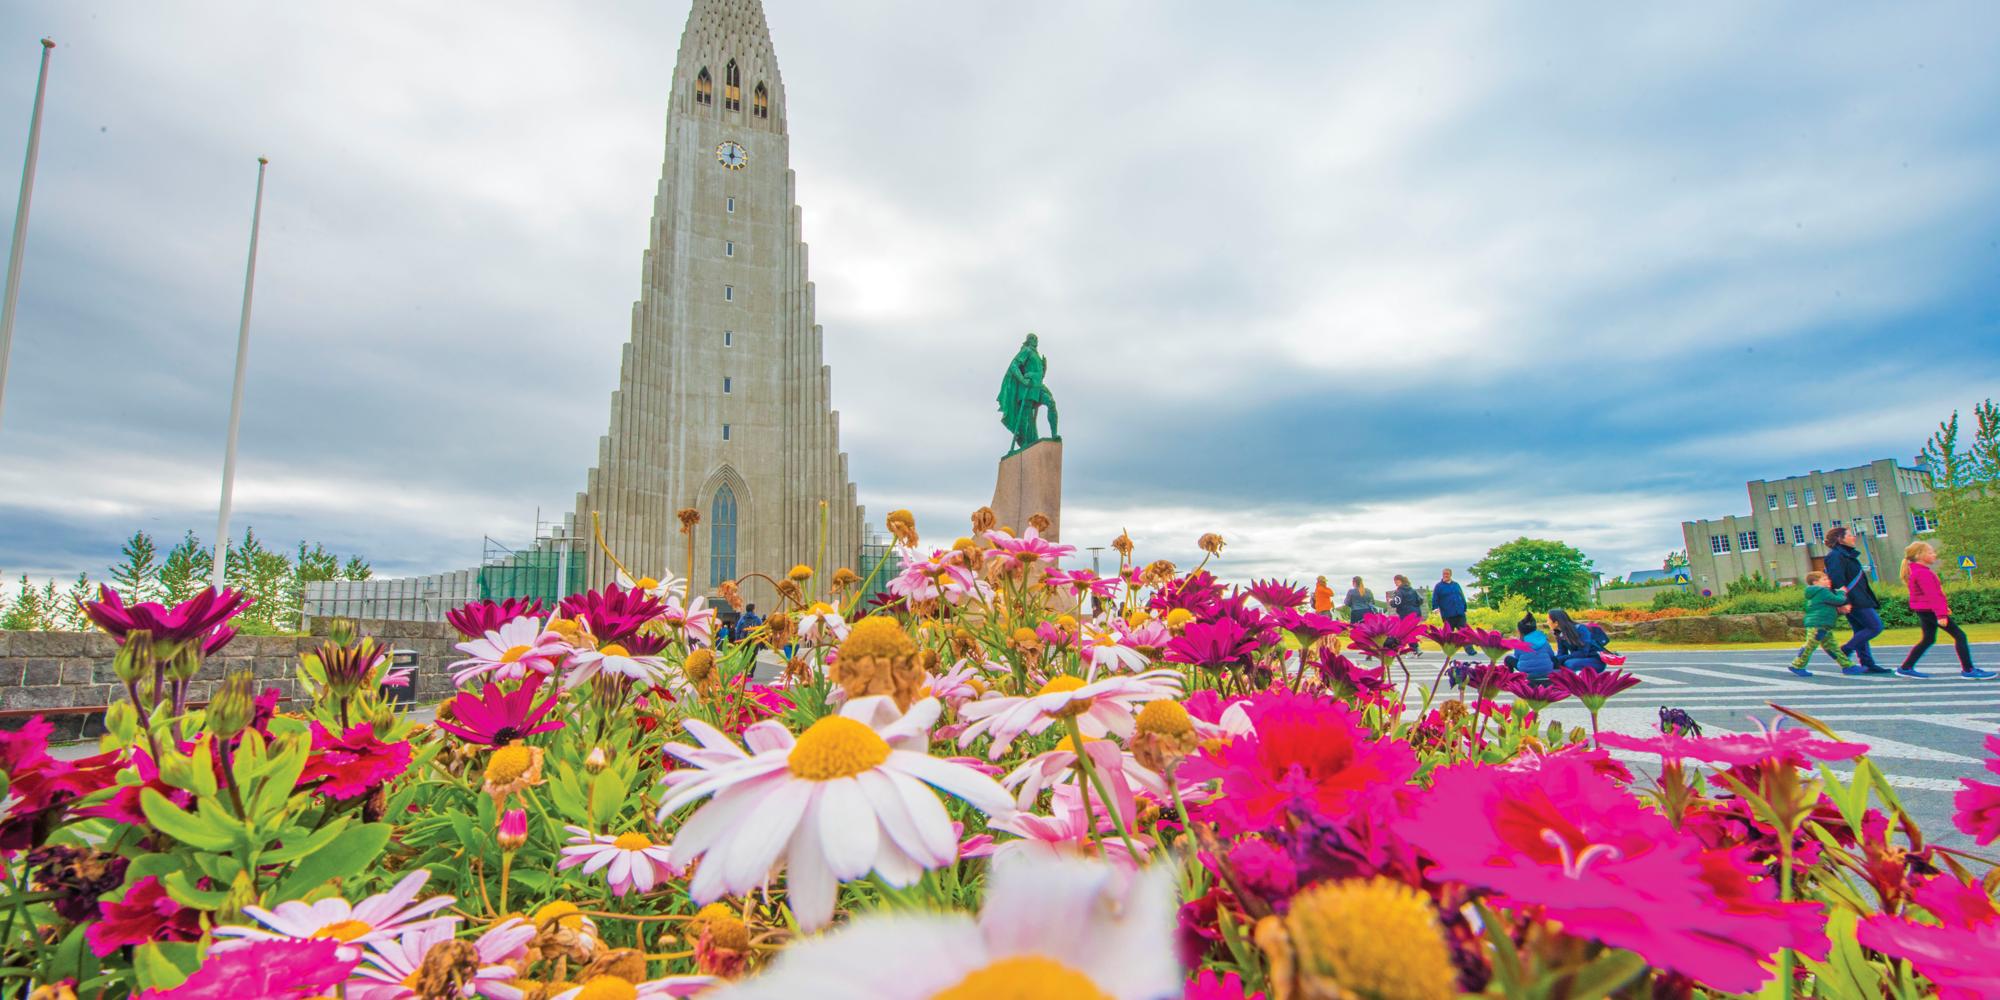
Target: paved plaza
[(1926, 734)]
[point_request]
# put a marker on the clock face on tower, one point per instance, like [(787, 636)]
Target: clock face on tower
[(732, 155)]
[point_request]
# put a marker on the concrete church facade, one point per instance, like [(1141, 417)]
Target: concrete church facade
[(723, 401)]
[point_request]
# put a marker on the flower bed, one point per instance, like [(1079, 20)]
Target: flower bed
[(967, 791)]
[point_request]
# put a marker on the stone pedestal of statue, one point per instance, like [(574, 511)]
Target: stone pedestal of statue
[(1030, 483)]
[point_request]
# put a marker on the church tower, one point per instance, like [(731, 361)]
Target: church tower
[(723, 402)]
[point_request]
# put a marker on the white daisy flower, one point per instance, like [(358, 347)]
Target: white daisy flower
[(614, 988), (1099, 707), (852, 794), (510, 651), (643, 668), (628, 860), (380, 917), (392, 965), (822, 624), (1105, 649), (1051, 927)]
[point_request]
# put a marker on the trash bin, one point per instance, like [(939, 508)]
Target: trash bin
[(402, 661)]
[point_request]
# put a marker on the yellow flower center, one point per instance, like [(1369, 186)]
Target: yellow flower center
[(345, 930), (877, 635), (699, 665), (836, 747), (1137, 618), (1067, 682), (1066, 623), (1025, 636), (1065, 745), (820, 608), (1167, 718), (508, 764), (725, 928), (514, 654), (614, 649), (1023, 977), (607, 988), (632, 842), (1338, 929), (800, 573), (1179, 617), (559, 913), (647, 583)]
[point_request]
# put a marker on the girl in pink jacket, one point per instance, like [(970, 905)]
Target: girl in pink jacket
[(1933, 612)]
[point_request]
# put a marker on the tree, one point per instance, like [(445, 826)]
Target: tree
[(71, 615), (356, 569), (185, 571), (1965, 483), (25, 614), (137, 578), (1677, 561), (1547, 573)]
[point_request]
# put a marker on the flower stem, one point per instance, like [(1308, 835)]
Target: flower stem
[(1090, 775)]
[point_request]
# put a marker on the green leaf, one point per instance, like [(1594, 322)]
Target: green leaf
[(345, 857), (298, 847), (276, 789), (200, 832), (1605, 976), (164, 966), (184, 892), (204, 768), (607, 795), (1506, 960), (567, 793)]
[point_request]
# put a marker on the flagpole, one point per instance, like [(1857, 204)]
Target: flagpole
[(13, 290), (221, 559)]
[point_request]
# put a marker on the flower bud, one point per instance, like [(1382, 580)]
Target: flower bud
[(134, 661), (176, 769), (513, 834), (597, 761), (341, 632), (185, 661), (233, 706)]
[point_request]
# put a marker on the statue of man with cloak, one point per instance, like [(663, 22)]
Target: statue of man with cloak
[(1022, 392)]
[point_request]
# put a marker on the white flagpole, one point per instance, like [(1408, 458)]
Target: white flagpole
[(13, 291), (236, 393)]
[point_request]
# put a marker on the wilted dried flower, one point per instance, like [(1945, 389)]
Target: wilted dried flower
[(699, 668), (1164, 736), (800, 573), (984, 520), (447, 970), (732, 594), (1210, 543), (689, 518), (1040, 522), (878, 657), (903, 525), (790, 591), (1122, 545), (1158, 573), (844, 578)]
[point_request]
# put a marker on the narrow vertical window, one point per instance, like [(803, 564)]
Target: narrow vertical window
[(760, 101), (729, 205), (725, 432), (732, 87), (704, 88), (722, 535), (729, 248), (726, 385), (729, 293), (728, 338)]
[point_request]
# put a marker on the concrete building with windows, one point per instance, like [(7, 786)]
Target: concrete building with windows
[(1885, 503), (723, 401)]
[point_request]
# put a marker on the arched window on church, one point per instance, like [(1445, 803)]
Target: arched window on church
[(760, 101), (704, 87), (732, 87), (722, 537)]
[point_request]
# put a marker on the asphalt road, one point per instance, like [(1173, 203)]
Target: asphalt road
[(1925, 734)]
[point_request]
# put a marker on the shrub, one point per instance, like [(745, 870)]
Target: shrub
[(1687, 599), (1755, 602), (1755, 583)]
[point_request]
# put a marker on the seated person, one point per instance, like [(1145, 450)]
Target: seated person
[(1578, 647), (1539, 659)]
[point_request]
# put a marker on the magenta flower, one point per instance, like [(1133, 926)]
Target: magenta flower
[(1385, 637), (353, 764), (495, 718), (1552, 832), (1344, 677), (1029, 549), (1276, 595), (1593, 687), (1956, 953), (202, 617), (1306, 627), (280, 969), (1080, 582), (1537, 694), (480, 617), (1771, 744), (146, 913), (1978, 803), (1216, 645), (614, 614), (1198, 593), (1208, 986), (1307, 755)]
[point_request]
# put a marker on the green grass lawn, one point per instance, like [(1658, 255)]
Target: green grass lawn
[(1893, 637)]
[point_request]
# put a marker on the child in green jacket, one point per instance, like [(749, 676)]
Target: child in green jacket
[(1822, 610)]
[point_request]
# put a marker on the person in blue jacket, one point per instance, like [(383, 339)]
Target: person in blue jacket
[(1448, 600), (1577, 648), (1538, 660)]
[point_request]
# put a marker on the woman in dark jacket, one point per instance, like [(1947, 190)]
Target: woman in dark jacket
[(1846, 572), (1576, 647), (1360, 602), (1404, 601)]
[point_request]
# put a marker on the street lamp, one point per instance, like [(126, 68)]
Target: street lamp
[(1096, 566)]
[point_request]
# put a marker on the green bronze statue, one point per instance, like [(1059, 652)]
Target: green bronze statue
[(1022, 392)]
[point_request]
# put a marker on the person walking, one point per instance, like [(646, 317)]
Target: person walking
[(1448, 600), (1404, 601), (1845, 572), (1360, 601), (1927, 600), (1822, 607), (1322, 597)]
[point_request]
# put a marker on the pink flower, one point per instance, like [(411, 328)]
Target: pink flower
[(927, 578), (1797, 747), (695, 617), (628, 860), (392, 965), (281, 969), (1277, 594), (1099, 707), (1207, 986), (377, 918), (495, 717), (1029, 549), (1593, 687), (1957, 953), (1385, 637), (511, 652), (146, 913), (1305, 754), (1117, 767), (1978, 803), (1556, 834), (614, 614), (199, 618), (354, 764), (480, 617), (1066, 832)]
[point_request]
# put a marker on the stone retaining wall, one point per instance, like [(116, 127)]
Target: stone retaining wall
[(68, 674), (1700, 629)]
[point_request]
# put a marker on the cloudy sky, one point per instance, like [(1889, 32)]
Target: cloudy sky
[(1362, 287)]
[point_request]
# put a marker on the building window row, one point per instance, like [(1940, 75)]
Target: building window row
[(1718, 544), (1869, 487), (1819, 532), (1771, 500), (1791, 498), (732, 91), (1746, 540), (1848, 488), (1831, 494), (1798, 534), (1924, 520)]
